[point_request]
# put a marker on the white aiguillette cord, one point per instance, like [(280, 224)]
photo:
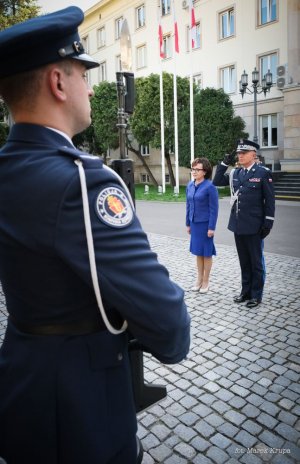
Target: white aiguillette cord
[(91, 251)]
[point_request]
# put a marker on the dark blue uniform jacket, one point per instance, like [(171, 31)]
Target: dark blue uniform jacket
[(71, 395), (255, 207)]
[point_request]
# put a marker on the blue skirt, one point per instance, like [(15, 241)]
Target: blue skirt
[(201, 244)]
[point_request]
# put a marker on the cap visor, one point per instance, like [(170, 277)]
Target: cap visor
[(86, 60)]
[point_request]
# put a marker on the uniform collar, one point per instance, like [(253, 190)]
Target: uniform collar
[(61, 133)]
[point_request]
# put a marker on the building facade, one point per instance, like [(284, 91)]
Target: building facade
[(231, 38)]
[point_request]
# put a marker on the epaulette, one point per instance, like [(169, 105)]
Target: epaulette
[(88, 160)]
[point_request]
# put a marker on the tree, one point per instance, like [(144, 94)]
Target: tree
[(216, 127), (104, 105), (145, 121), (104, 134), (17, 11)]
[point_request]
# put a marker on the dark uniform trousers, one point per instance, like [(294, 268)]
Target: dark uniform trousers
[(252, 210)]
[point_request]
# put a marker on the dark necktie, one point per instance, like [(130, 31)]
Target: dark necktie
[(245, 172)]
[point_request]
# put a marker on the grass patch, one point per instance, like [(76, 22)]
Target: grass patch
[(153, 194)]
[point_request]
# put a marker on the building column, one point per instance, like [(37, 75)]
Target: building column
[(291, 91)]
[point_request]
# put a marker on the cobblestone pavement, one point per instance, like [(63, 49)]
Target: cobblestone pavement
[(236, 399)]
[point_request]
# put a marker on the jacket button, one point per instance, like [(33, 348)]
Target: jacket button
[(120, 356)]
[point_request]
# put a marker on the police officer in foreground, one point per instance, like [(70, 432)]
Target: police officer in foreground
[(251, 217), (75, 265)]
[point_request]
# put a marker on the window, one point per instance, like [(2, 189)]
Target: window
[(226, 23), (141, 57), (197, 37), (118, 26), (167, 46), (268, 62), (101, 37), (85, 43), (228, 79), (145, 178), (167, 178), (140, 16), (165, 7), (144, 150), (118, 63), (102, 71), (198, 81), (268, 124), (267, 11)]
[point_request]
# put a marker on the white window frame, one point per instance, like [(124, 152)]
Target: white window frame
[(144, 150), (198, 80), (85, 43), (141, 56), (140, 16), (227, 16), (165, 7), (268, 5), (101, 36), (145, 178), (167, 46), (198, 38), (118, 63), (118, 27), (228, 78), (102, 75), (270, 119), (268, 62)]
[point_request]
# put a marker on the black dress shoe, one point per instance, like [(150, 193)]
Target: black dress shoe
[(253, 303), (240, 298)]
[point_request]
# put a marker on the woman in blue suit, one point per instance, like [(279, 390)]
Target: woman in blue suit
[(201, 219)]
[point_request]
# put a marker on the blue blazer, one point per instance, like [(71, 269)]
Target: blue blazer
[(255, 207), (72, 395), (202, 203)]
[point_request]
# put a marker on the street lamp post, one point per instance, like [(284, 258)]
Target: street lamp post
[(266, 84)]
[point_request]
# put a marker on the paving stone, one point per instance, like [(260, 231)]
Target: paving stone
[(185, 450), (184, 432), (252, 427), (160, 452), (217, 455), (204, 429), (201, 460), (221, 441), (200, 444), (287, 432), (245, 439), (235, 417), (267, 420), (270, 439), (251, 411)]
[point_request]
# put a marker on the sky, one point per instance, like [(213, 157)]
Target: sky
[(48, 6)]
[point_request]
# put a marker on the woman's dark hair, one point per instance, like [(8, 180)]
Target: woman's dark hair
[(206, 166)]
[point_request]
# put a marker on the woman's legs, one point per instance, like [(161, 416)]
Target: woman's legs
[(207, 264), (200, 268)]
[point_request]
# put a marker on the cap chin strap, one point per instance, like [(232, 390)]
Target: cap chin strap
[(91, 251)]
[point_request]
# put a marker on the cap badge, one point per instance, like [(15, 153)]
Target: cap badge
[(113, 207), (78, 47)]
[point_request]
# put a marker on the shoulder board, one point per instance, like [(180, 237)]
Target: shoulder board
[(87, 159)]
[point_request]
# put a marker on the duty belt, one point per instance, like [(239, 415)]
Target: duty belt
[(83, 327)]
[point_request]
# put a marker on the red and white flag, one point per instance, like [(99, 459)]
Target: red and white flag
[(176, 31), (160, 41), (193, 24)]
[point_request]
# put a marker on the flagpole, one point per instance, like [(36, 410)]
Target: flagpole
[(176, 191), (192, 39), (161, 100)]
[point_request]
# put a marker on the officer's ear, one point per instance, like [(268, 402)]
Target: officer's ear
[(57, 83)]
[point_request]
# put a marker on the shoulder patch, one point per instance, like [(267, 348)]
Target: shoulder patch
[(113, 207)]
